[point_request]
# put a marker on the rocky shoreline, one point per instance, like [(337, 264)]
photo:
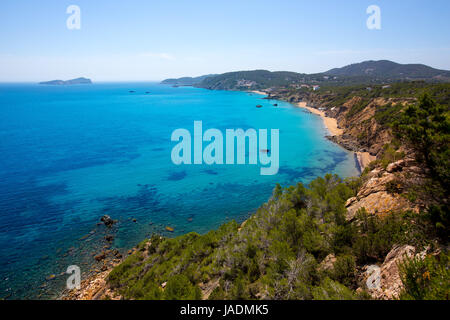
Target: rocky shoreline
[(95, 282)]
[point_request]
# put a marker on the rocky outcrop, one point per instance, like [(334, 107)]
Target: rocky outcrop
[(383, 190), (384, 282), (380, 192), (327, 264), (93, 288)]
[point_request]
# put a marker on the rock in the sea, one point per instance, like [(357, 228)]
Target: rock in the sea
[(116, 253), (109, 238), (107, 220), (100, 256)]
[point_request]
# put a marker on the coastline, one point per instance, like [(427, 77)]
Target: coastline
[(258, 92), (362, 158), (330, 123)]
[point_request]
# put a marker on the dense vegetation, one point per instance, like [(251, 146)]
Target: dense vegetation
[(385, 69), (335, 96), (251, 80), (276, 254), (425, 127)]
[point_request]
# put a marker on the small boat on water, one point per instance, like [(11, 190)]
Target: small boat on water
[(275, 104), (131, 91), (265, 151), (259, 106)]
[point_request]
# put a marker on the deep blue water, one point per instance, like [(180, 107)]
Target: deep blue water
[(69, 154)]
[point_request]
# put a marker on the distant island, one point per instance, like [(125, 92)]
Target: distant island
[(67, 82)]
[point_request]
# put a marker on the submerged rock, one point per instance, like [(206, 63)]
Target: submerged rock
[(100, 257), (107, 220)]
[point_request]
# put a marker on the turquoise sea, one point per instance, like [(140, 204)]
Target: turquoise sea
[(70, 154)]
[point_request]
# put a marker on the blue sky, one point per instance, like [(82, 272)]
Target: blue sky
[(156, 39)]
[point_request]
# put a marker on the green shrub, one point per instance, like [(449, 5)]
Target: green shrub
[(344, 270), (427, 279), (180, 288), (425, 127), (332, 290), (377, 235)]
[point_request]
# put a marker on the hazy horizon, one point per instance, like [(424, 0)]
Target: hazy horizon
[(152, 41)]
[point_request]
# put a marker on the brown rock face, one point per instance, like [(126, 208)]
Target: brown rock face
[(362, 132), (374, 196), (396, 166), (328, 262), (389, 282)]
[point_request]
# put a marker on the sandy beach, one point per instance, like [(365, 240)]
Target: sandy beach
[(258, 92), (364, 158), (330, 123)]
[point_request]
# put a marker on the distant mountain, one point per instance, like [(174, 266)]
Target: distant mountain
[(367, 72), (385, 69), (187, 81), (255, 79), (68, 82)]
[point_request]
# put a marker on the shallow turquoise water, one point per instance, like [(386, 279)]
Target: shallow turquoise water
[(70, 154)]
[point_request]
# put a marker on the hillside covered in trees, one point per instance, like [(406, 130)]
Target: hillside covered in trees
[(374, 72)]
